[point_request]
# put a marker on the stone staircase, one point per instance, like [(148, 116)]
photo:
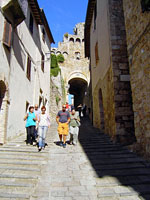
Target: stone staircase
[(20, 169)]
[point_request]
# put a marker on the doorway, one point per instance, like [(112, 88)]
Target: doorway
[(102, 120)]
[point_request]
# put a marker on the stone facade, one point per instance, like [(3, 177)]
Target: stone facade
[(75, 66), (105, 40), (56, 94), (138, 44), (25, 40)]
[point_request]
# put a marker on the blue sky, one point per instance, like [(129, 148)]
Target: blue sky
[(62, 15)]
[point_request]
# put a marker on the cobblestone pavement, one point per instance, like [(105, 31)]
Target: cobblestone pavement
[(94, 169)]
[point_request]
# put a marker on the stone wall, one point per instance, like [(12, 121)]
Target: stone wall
[(122, 90), (138, 44), (55, 93), (107, 87), (112, 109)]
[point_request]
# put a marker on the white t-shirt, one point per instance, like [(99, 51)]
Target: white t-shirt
[(44, 120)]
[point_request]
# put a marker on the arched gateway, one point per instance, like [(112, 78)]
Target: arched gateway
[(4, 99)]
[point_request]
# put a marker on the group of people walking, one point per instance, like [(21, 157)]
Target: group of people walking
[(38, 122), (68, 123)]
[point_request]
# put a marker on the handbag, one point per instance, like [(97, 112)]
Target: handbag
[(79, 124)]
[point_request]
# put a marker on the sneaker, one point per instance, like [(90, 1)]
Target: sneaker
[(43, 148), (64, 145), (34, 143), (61, 144), (39, 148)]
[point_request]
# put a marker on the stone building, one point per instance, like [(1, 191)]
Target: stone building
[(75, 68), (25, 42), (137, 22), (105, 45), (117, 41)]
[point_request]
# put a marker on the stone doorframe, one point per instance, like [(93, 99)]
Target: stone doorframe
[(4, 104)]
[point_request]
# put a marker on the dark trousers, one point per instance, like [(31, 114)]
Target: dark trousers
[(30, 134)]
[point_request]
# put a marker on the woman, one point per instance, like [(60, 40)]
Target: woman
[(30, 126), (44, 124), (74, 127)]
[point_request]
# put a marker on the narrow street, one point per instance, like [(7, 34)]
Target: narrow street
[(94, 169)]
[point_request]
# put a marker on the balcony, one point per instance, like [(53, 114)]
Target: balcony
[(15, 10)]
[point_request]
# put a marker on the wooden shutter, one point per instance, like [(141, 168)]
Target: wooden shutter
[(42, 62), (7, 34), (96, 53), (29, 68)]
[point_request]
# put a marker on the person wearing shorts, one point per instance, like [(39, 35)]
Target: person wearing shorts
[(63, 119)]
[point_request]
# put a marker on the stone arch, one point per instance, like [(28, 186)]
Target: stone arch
[(77, 74), (78, 87), (4, 102), (78, 40), (65, 54), (71, 40), (101, 107), (52, 52), (58, 52)]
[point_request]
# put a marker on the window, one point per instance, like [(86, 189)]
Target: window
[(95, 15), (65, 54), (43, 35), (31, 24), (28, 74), (71, 40), (7, 35), (42, 62), (78, 40), (40, 102), (27, 106), (145, 5), (96, 54), (77, 55)]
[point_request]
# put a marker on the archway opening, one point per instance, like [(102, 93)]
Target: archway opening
[(3, 111), (78, 88), (102, 122), (2, 92)]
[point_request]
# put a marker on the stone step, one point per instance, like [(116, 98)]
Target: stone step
[(111, 161), (24, 154), (21, 173), (5, 196), (15, 184), (22, 162), (19, 176), (21, 158), (124, 172), (118, 166), (22, 150), (22, 168)]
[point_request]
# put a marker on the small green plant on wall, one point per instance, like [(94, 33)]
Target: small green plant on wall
[(54, 66), (66, 35), (57, 100), (60, 58)]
